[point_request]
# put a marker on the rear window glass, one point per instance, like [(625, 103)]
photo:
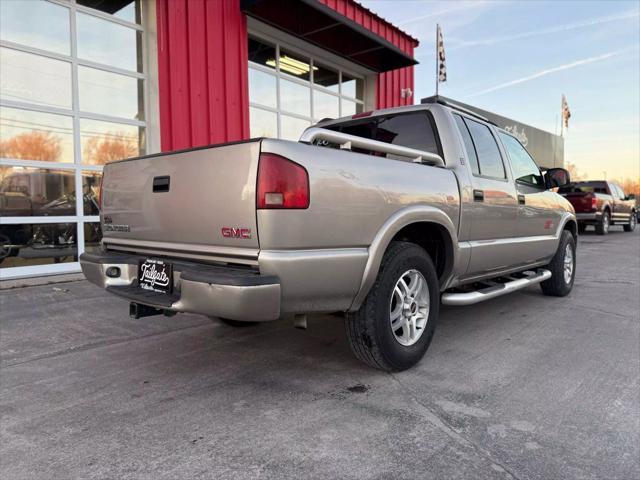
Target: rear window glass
[(584, 187), (487, 150), (413, 130)]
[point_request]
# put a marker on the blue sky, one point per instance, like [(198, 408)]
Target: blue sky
[(517, 58)]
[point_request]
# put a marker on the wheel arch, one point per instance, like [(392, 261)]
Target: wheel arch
[(424, 225)]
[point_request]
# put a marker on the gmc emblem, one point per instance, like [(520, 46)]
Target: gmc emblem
[(232, 232)]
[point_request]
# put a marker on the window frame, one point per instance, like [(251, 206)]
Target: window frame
[(279, 75), (76, 166), (506, 151), (466, 118)]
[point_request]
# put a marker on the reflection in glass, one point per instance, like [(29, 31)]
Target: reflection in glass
[(37, 244), (291, 128), (92, 237), (295, 98), (326, 77), (29, 135), (28, 192), (262, 53), (294, 64), (34, 79), (91, 192), (352, 87), (37, 24), (129, 11), (262, 88), (325, 105), (104, 142), (263, 123), (350, 107), (109, 43), (110, 93)]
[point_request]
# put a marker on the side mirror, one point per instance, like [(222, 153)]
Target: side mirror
[(557, 177), (631, 196)]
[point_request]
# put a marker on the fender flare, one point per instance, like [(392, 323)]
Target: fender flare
[(395, 223)]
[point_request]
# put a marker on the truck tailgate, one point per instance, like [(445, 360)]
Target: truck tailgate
[(581, 201), (198, 203)]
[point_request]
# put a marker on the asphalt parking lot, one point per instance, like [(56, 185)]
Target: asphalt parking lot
[(524, 386)]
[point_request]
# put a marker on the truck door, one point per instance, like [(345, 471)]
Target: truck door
[(620, 209), (494, 205), (538, 212)]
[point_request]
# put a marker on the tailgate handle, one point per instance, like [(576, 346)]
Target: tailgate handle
[(161, 184)]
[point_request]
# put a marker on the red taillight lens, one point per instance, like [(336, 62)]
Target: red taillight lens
[(281, 183), (594, 203)]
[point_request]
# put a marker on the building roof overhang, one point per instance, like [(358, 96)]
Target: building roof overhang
[(323, 26)]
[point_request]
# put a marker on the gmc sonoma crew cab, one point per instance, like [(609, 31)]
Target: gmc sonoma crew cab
[(382, 216), (601, 204)]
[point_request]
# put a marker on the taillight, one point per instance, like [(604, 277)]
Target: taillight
[(281, 183), (100, 192), (594, 203)]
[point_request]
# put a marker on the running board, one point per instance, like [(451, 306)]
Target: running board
[(469, 298)]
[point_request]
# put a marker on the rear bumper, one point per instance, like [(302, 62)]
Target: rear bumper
[(588, 217), (234, 293)]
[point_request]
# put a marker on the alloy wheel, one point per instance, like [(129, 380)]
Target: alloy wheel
[(409, 307)]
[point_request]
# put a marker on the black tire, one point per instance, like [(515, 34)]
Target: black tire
[(602, 227), (369, 329), (557, 286), (582, 227), (234, 323), (633, 221)]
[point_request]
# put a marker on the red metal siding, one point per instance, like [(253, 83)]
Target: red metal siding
[(389, 85), (203, 75)]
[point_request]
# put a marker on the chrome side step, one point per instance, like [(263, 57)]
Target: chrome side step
[(497, 290)]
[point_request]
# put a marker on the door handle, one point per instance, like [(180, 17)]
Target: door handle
[(478, 196), (161, 184), (521, 199)]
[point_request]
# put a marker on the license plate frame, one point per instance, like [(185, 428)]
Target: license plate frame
[(155, 275)]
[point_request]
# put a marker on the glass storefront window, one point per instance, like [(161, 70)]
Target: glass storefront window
[(325, 105), (36, 24), (291, 128), (108, 43), (34, 79), (352, 87), (285, 100), (295, 98), (31, 135), (263, 123), (28, 192), (92, 236), (128, 11), (29, 244), (104, 142), (110, 93), (262, 88), (91, 192)]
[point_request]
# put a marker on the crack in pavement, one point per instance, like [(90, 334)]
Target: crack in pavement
[(442, 425)]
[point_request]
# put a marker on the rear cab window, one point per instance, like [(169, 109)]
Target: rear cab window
[(413, 129), (585, 187)]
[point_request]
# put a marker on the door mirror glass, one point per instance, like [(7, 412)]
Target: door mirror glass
[(557, 177), (631, 196)]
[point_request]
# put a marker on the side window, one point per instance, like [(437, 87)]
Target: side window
[(621, 193), (487, 150), (524, 168), (468, 144), (614, 190)]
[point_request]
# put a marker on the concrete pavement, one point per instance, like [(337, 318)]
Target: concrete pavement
[(524, 386)]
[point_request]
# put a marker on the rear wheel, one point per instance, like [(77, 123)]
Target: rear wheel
[(602, 227), (395, 324), (562, 267), (633, 221)]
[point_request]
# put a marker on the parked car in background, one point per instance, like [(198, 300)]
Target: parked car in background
[(601, 203), (383, 216)]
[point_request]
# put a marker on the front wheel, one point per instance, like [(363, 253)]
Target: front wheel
[(562, 267), (633, 220), (394, 326)]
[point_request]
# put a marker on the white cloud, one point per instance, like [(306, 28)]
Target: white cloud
[(548, 71)]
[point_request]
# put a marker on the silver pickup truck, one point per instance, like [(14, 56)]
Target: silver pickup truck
[(381, 216)]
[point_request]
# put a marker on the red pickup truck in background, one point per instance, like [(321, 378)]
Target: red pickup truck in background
[(602, 204)]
